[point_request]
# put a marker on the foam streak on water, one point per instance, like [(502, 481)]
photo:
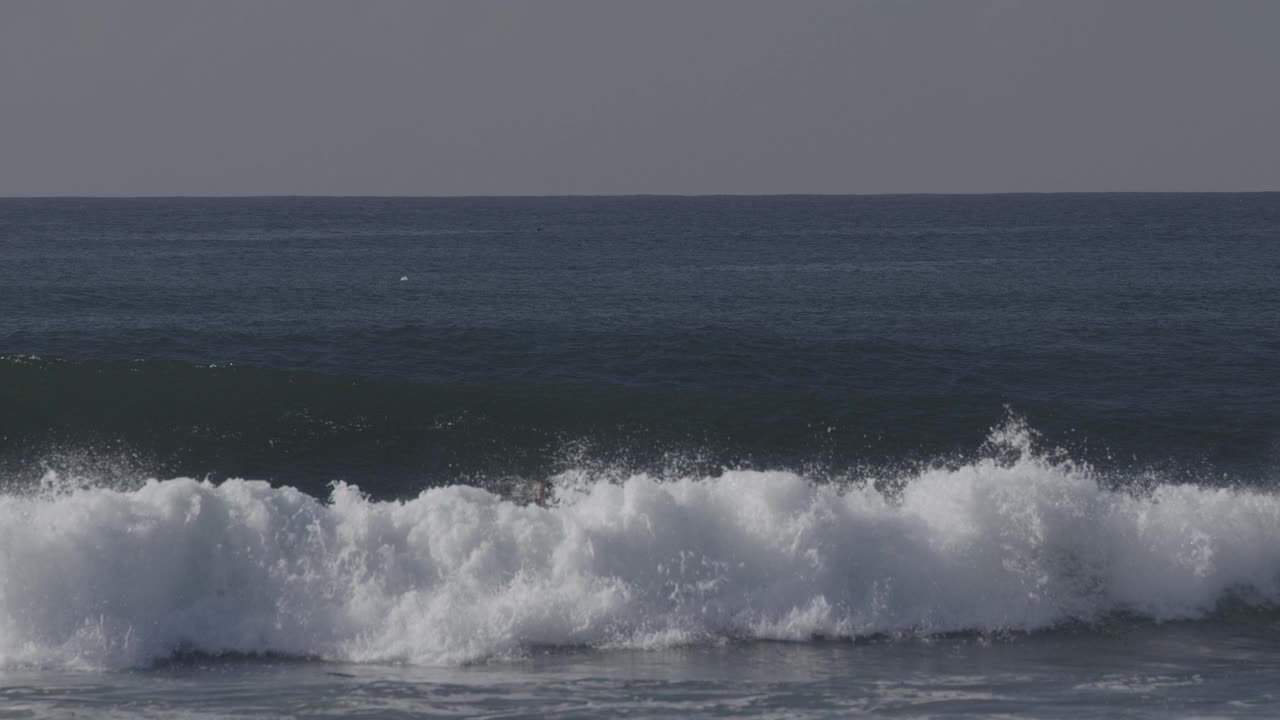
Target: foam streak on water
[(97, 577)]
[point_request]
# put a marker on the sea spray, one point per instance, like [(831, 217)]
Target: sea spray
[(100, 577)]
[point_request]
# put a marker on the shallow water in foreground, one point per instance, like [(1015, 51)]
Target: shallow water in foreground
[(1224, 668)]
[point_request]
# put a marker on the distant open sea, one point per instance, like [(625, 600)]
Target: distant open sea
[(804, 456)]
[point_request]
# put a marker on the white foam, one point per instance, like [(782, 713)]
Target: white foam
[(105, 578)]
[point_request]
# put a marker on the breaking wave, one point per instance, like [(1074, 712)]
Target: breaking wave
[(99, 577)]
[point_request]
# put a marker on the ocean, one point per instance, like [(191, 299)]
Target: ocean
[(803, 456)]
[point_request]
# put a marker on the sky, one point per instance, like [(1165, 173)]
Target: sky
[(597, 97)]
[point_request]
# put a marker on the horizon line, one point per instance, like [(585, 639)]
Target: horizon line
[(306, 196)]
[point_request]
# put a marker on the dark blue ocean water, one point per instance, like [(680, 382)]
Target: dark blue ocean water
[(279, 339), (807, 419)]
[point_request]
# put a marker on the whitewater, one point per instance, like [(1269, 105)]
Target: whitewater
[(100, 578)]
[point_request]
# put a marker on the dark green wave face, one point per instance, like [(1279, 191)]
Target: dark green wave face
[(395, 437), (401, 344)]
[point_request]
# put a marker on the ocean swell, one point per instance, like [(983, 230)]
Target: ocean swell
[(98, 577)]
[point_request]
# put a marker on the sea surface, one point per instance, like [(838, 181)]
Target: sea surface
[(915, 456)]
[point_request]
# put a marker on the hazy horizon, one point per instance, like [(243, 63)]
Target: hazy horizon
[(573, 98), (587, 196)]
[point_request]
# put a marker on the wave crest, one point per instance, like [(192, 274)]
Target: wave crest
[(108, 578)]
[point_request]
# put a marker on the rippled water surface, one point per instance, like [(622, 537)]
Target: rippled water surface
[(912, 455)]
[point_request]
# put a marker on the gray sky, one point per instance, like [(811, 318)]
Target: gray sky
[(169, 97)]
